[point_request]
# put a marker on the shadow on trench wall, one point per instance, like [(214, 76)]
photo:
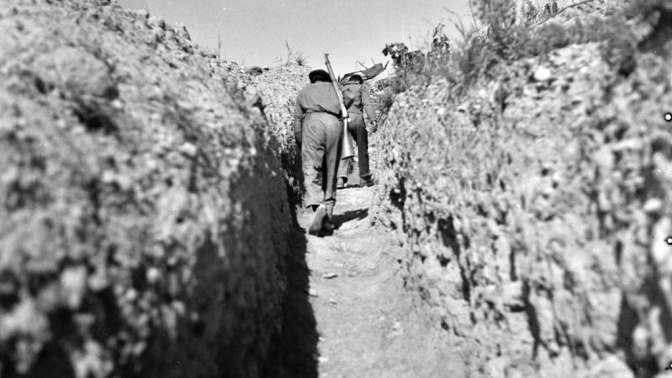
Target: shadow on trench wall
[(294, 352)]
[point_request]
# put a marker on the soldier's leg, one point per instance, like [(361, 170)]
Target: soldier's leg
[(332, 158), (345, 165), (362, 148), (312, 155), (327, 223), (352, 126)]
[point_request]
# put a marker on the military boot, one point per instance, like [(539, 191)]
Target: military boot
[(328, 224), (318, 220), (366, 181)]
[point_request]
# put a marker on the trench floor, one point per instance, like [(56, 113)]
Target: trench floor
[(368, 324)]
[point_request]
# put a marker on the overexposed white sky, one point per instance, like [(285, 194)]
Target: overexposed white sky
[(254, 32)]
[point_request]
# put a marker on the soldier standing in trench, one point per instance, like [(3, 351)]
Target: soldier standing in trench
[(318, 133), (357, 129)]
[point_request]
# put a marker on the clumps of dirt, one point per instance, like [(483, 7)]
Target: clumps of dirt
[(535, 212), (143, 232)]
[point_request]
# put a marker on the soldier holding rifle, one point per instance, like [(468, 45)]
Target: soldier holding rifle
[(319, 134), (357, 128)]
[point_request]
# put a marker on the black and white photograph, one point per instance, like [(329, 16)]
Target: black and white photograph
[(335, 188)]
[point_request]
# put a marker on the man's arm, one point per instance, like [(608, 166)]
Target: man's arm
[(298, 122), (368, 108)]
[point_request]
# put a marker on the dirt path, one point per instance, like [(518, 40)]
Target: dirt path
[(367, 325)]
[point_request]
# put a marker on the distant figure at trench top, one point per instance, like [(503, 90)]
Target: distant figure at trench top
[(318, 133), (357, 129)]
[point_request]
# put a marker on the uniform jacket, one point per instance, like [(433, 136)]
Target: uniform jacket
[(361, 102), (315, 97)]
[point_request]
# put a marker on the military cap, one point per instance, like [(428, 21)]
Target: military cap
[(356, 75), (322, 74)]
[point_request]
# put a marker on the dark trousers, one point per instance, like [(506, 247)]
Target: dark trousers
[(357, 129), (321, 154)]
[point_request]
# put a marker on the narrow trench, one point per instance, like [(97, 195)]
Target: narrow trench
[(348, 314)]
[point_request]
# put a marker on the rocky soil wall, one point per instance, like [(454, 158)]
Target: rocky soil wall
[(278, 88), (535, 213), (142, 230)]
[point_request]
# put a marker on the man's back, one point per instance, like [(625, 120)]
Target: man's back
[(362, 100), (318, 97)]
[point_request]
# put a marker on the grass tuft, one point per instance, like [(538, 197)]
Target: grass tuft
[(499, 35)]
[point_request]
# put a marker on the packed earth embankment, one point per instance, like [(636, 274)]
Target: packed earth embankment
[(144, 222), (278, 88), (534, 211), (146, 228)]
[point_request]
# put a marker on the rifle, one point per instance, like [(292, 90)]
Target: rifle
[(347, 149)]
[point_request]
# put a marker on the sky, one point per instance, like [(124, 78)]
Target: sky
[(256, 32)]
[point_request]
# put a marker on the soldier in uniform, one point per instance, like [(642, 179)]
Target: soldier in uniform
[(318, 133), (362, 103)]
